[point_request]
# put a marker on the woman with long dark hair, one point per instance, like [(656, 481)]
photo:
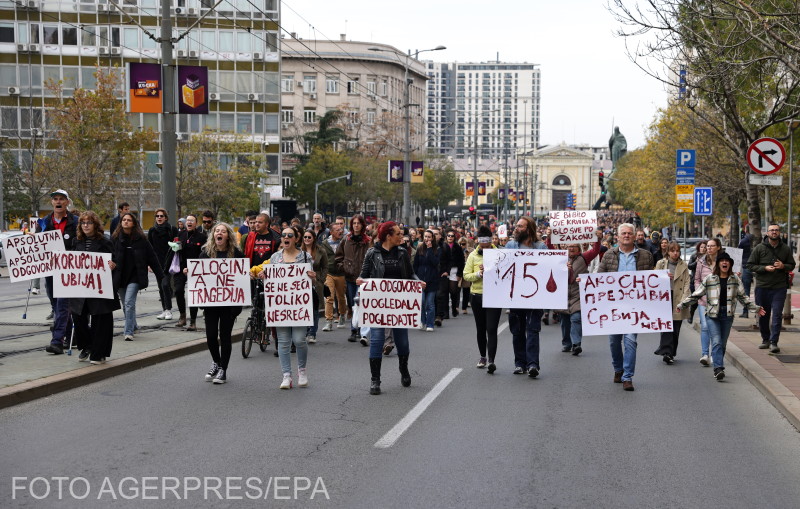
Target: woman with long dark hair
[(134, 255), (428, 267), (349, 259), (188, 246), (320, 263), (93, 318), (705, 267), (679, 277), (159, 236), (486, 319)]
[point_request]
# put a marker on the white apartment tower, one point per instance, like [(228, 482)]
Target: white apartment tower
[(489, 108)]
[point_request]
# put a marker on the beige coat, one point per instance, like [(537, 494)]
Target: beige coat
[(680, 286)]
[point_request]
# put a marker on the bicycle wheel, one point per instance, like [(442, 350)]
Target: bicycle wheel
[(247, 338)]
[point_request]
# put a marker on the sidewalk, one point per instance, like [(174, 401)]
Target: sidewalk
[(27, 372)]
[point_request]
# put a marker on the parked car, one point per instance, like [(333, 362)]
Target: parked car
[(3, 236)]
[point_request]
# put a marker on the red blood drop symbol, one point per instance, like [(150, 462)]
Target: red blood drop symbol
[(551, 284)]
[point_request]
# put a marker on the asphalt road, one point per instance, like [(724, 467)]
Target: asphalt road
[(571, 438)]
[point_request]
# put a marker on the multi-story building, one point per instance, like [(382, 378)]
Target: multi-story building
[(494, 106), (43, 40), (363, 80)]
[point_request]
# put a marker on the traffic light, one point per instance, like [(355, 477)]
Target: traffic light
[(601, 179), (349, 178), (472, 212)]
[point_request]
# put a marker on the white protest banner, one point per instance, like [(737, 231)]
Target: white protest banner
[(502, 232), (218, 282), (82, 274), (393, 303), (29, 256), (736, 254), (626, 302), (525, 279), (572, 226), (288, 294)]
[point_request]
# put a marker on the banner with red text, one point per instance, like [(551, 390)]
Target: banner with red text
[(572, 226), (30, 256), (288, 294), (393, 303), (218, 282), (82, 274), (525, 279), (626, 302)]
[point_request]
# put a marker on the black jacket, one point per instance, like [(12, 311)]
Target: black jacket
[(191, 247), (70, 231), (143, 256), (452, 257), (95, 306), (158, 236), (373, 264)]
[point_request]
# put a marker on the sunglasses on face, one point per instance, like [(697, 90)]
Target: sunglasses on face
[(206, 222), (287, 235), (160, 215)]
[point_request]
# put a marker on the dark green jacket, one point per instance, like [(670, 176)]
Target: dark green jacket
[(764, 254)]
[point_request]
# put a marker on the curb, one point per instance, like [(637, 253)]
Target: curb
[(50, 385), (767, 384)]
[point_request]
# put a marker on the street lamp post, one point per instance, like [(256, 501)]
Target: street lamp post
[(407, 148), (3, 140)]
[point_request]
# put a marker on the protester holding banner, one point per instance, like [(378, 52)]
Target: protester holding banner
[(705, 267), (525, 324), (349, 260), (93, 317), (388, 260), (428, 267), (133, 255), (722, 289), (320, 257), (680, 277), (486, 319), (61, 219), (159, 235), (219, 320), (189, 245), (290, 254), (626, 257)]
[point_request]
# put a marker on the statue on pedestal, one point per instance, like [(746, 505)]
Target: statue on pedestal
[(617, 146)]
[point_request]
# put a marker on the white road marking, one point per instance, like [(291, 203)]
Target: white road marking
[(502, 327), (397, 431)]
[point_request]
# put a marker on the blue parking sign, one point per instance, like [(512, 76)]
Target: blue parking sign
[(685, 158), (703, 201)]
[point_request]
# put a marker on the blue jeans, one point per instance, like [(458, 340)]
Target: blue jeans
[(378, 336), (352, 291), (128, 294), (312, 330), (623, 361), (571, 329), (525, 325), (719, 329), (705, 340), (287, 336), (428, 307), (772, 302)]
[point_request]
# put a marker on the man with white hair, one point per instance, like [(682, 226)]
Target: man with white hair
[(627, 256)]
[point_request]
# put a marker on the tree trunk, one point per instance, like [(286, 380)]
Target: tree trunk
[(733, 201), (753, 212)]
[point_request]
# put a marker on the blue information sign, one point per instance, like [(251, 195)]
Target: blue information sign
[(703, 201), (686, 158)]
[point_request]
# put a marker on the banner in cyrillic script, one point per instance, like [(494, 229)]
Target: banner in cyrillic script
[(288, 294), (626, 302), (525, 279), (30, 256), (82, 274), (218, 282), (572, 226), (392, 303)]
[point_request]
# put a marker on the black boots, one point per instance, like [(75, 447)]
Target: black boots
[(405, 376), (375, 369)]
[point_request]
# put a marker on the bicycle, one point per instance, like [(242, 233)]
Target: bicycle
[(255, 328)]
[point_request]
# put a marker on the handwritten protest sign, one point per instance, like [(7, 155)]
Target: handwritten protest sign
[(626, 302), (394, 303), (82, 274), (736, 254), (218, 282), (287, 294), (525, 279), (572, 226), (29, 256)]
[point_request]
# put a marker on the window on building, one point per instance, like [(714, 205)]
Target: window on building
[(352, 87), (6, 32), (310, 116), (131, 37), (371, 87), (50, 33), (287, 116), (370, 117), (332, 85), (287, 83), (287, 147), (384, 89), (8, 121), (287, 182), (88, 36), (309, 84)]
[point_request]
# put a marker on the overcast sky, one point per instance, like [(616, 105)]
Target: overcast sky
[(587, 79)]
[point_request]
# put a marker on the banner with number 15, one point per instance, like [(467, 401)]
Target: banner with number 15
[(525, 279)]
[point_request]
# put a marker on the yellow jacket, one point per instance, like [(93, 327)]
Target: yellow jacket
[(472, 271)]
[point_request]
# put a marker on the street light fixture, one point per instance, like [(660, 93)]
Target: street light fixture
[(407, 151)]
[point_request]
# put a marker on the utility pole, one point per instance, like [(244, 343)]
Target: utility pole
[(168, 141)]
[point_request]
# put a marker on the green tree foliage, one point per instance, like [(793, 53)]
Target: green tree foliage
[(323, 163)]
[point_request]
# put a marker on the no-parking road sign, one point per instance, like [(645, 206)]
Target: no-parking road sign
[(766, 156)]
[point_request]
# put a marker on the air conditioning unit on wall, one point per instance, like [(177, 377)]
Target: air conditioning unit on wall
[(13, 90)]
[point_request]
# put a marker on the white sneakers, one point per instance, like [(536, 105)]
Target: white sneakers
[(311, 339), (302, 378), (287, 381), (35, 291), (705, 360), (165, 315), (429, 329), (342, 322), (328, 326)]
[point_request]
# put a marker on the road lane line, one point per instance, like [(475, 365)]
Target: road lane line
[(502, 327), (397, 431)]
